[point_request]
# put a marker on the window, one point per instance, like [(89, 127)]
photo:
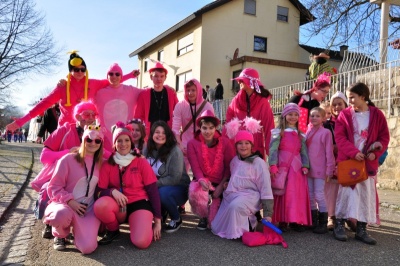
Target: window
[(185, 44), (181, 79), (145, 65), (250, 7), (260, 44), (283, 13), (235, 84), (160, 56)]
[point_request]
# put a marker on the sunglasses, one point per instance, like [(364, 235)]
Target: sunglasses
[(75, 69), (88, 114), (97, 141), (112, 74)]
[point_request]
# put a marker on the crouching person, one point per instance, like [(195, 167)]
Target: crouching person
[(128, 192), (71, 191)]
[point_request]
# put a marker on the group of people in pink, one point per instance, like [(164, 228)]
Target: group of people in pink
[(124, 155)]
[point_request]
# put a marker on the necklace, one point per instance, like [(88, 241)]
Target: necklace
[(159, 104)]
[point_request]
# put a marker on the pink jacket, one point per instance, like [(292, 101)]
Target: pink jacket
[(377, 131), (183, 115), (113, 105), (196, 160), (260, 109), (143, 108), (59, 94), (320, 152)]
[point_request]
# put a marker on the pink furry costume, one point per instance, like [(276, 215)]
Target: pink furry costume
[(185, 113), (210, 164), (115, 104), (56, 146), (133, 176), (76, 181), (68, 97)]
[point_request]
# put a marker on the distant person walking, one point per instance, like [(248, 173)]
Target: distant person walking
[(219, 96), (210, 94)]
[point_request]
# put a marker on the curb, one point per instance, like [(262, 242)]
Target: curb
[(389, 205), (19, 193)]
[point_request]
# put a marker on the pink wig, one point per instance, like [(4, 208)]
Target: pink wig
[(84, 106)]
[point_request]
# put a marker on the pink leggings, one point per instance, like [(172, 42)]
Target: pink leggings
[(61, 217), (106, 210)]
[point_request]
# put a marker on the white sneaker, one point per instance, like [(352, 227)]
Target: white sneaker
[(59, 243)]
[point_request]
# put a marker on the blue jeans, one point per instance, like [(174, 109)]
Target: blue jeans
[(172, 197)]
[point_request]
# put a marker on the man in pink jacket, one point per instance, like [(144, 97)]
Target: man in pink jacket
[(156, 103)]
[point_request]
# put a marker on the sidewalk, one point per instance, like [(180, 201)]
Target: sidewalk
[(389, 198), (15, 165)]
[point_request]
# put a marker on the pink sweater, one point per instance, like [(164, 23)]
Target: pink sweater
[(196, 160), (59, 94), (143, 108), (260, 109), (69, 180), (320, 152), (377, 131), (182, 116)]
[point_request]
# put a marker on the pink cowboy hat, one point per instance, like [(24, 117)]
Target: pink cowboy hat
[(207, 114), (158, 66)]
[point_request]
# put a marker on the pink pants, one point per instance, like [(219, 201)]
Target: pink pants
[(61, 217), (331, 191), (106, 210), (316, 193)]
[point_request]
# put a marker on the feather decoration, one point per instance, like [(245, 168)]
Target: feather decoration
[(252, 125), (232, 127)]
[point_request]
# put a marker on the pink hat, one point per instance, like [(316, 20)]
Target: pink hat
[(244, 135), (340, 95), (93, 132), (120, 129), (84, 106), (158, 66), (115, 68), (251, 78), (290, 107), (207, 114)]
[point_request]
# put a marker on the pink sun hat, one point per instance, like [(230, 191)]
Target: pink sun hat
[(251, 78), (158, 66)]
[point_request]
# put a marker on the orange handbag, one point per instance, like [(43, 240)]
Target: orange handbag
[(351, 172)]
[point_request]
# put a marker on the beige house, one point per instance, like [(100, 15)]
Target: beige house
[(226, 36)]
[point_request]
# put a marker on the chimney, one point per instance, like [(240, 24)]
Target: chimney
[(343, 48)]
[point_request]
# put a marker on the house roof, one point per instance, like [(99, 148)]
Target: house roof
[(335, 55), (305, 17)]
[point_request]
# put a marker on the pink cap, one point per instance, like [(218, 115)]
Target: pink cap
[(244, 135), (158, 66), (251, 78), (115, 68), (290, 107)]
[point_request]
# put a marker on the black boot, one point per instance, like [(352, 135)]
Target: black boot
[(314, 219), (362, 235), (109, 237), (322, 223), (340, 232)]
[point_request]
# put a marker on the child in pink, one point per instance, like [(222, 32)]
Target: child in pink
[(322, 166), (185, 115), (128, 192), (71, 191), (288, 149)]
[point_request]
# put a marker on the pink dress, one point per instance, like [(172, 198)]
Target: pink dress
[(294, 205), (250, 182)]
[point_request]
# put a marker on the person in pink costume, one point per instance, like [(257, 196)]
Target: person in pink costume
[(209, 155), (128, 192), (156, 103), (66, 139), (79, 87), (361, 133), (322, 167), (288, 148), (116, 102), (248, 190), (71, 190), (337, 104), (253, 101), (186, 113)]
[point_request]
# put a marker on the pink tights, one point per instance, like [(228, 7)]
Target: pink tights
[(106, 210)]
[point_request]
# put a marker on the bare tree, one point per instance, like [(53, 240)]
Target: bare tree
[(341, 22), (26, 45)]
